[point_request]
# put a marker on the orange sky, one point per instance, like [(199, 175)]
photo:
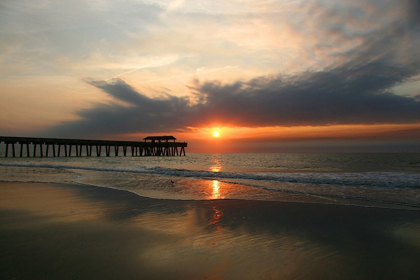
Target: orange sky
[(267, 75), (293, 139)]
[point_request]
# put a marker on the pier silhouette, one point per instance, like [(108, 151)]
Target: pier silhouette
[(56, 147)]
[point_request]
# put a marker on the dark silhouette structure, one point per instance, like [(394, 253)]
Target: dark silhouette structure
[(159, 139), (159, 146)]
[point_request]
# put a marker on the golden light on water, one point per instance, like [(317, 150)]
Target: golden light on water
[(216, 189)]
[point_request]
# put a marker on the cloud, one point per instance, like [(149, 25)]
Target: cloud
[(50, 37), (339, 96), (142, 113), (413, 7), (345, 95), (356, 89)]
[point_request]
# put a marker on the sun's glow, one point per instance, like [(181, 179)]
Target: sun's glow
[(216, 134)]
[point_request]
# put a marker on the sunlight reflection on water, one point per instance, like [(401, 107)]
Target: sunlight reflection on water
[(215, 189)]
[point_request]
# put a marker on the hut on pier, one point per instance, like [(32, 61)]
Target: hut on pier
[(159, 139)]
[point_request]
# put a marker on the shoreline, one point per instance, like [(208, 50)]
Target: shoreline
[(339, 201), (66, 231), (383, 190)]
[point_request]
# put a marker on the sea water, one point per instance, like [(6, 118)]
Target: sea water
[(375, 180)]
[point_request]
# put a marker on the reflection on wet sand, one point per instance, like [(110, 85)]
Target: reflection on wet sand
[(217, 215), (93, 232)]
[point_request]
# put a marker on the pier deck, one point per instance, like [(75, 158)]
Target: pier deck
[(28, 146)]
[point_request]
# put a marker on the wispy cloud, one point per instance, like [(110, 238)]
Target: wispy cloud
[(160, 62)]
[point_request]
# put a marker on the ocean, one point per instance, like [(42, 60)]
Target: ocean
[(211, 216), (373, 180)]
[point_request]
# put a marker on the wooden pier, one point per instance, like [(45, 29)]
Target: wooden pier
[(27, 147)]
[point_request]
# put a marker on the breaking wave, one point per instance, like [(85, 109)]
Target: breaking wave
[(361, 179)]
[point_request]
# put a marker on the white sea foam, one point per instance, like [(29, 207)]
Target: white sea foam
[(366, 179)]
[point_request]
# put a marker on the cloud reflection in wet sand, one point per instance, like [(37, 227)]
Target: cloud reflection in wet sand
[(230, 239)]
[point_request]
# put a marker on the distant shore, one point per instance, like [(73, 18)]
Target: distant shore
[(59, 231)]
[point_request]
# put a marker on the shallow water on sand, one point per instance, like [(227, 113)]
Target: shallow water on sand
[(68, 231)]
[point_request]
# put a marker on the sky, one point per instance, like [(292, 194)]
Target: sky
[(269, 76)]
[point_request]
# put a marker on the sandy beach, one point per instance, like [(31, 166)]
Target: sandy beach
[(59, 231)]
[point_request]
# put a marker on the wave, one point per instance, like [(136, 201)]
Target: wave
[(363, 179)]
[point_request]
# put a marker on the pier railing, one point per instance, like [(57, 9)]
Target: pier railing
[(56, 147)]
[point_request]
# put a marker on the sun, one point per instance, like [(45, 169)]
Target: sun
[(216, 134)]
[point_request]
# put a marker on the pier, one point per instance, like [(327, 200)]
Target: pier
[(55, 147)]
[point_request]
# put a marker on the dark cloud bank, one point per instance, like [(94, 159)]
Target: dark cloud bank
[(359, 91)]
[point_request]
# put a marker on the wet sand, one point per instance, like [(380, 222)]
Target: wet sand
[(58, 231)]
